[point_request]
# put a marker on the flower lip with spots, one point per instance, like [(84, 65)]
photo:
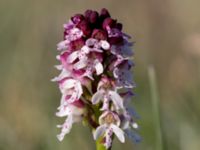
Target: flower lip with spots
[(107, 93), (109, 124)]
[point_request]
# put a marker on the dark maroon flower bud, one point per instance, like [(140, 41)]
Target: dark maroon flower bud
[(109, 22), (64, 34), (116, 40), (119, 26), (93, 17), (87, 13), (99, 34), (85, 27), (79, 104), (77, 44), (77, 18), (104, 13)]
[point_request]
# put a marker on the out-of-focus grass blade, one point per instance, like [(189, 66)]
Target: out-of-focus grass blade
[(155, 107)]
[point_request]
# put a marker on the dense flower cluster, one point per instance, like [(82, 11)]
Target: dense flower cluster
[(96, 79)]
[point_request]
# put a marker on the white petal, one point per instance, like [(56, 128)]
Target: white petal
[(55, 79), (118, 132), (69, 83), (76, 92), (64, 111), (117, 100), (62, 101), (105, 104), (73, 97), (80, 64), (85, 49), (105, 45), (62, 45), (96, 50), (99, 131), (60, 137), (97, 97), (75, 30), (125, 124), (91, 42), (59, 67), (58, 57), (78, 117), (68, 110), (72, 57), (100, 84), (135, 125), (116, 72), (61, 76), (119, 61), (66, 127), (79, 89), (99, 68), (89, 75)]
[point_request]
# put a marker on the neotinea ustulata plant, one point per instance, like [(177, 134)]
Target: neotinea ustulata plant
[(96, 80)]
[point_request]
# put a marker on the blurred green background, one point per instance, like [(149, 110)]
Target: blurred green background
[(167, 36)]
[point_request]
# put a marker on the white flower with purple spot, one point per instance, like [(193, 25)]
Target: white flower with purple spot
[(106, 93), (109, 124), (74, 114), (71, 90)]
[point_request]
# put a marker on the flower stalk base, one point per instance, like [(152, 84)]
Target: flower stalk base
[(100, 146)]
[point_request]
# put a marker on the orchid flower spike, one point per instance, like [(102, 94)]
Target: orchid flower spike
[(96, 79)]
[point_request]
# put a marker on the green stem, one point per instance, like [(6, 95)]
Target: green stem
[(99, 145), (156, 107)]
